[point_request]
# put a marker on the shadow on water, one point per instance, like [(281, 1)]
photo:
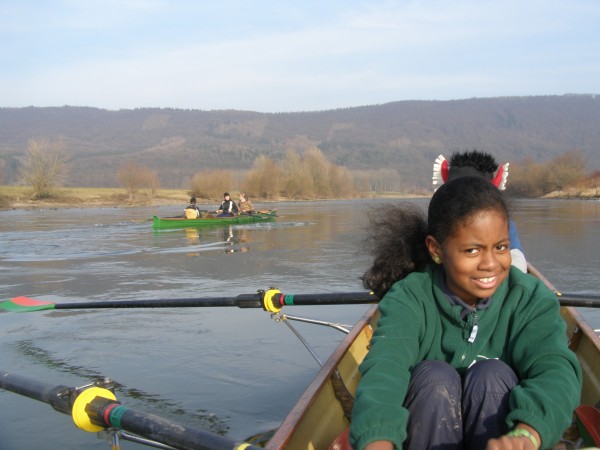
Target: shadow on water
[(137, 398)]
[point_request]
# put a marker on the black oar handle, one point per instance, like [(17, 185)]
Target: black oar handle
[(579, 300)]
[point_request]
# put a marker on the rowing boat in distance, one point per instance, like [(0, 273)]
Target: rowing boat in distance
[(320, 418), (162, 223)]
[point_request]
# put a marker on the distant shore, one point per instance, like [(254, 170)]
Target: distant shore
[(16, 198), (574, 193)]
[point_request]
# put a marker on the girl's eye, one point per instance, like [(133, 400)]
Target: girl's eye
[(502, 247), (471, 251)]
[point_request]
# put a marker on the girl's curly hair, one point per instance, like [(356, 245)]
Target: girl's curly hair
[(398, 232)]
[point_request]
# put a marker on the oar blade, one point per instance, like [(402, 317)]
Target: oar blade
[(25, 304)]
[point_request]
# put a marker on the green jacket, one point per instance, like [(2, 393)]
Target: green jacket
[(521, 326)]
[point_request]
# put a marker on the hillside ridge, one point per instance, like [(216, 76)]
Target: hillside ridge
[(406, 135)]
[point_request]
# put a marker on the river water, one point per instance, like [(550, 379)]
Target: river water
[(231, 371)]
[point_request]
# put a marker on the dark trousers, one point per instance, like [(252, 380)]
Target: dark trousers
[(447, 411)]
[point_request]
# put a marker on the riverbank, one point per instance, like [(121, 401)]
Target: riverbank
[(575, 193), (18, 197)]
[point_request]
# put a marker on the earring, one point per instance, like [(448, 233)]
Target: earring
[(436, 259)]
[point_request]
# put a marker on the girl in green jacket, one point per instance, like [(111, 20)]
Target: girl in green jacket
[(468, 353)]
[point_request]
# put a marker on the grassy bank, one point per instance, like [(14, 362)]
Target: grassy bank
[(19, 197), (587, 193)]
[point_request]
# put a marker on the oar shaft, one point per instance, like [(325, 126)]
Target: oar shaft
[(171, 433), (105, 412), (241, 301), (579, 300), (55, 396)]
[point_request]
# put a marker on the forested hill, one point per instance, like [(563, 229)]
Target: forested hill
[(406, 135)]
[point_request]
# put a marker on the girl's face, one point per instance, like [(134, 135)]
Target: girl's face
[(476, 257)]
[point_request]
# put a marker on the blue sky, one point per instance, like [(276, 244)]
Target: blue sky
[(281, 56)]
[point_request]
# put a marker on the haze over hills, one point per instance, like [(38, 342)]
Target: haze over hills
[(405, 135)]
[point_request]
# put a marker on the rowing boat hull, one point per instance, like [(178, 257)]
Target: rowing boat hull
[(318, 418), (162, 223), (585, 342)]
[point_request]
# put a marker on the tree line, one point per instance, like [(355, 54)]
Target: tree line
[(305, 176), (297, 176), (528, 178), (406, 136)]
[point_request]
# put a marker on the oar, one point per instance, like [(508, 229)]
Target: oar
[(585, 301), (270, 300), (581, 300), (94, 408)]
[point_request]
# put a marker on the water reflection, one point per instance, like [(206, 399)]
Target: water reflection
[(229, 239), (237, 239)]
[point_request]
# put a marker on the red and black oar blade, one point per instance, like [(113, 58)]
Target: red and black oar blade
[(25, 304)]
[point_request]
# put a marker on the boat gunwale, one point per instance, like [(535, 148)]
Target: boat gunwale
[(286, 430), (581, 323)]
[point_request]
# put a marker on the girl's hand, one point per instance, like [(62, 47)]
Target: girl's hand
[(507, 442), (510, 443), (380, 445)]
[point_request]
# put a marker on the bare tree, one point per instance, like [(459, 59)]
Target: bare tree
[(566, 169), (2, 171), (295, 177), (341, 182), (313, 176), (45, 166), (134, 177), (263, 179), (212, 183), (531, 179), (318, 167)]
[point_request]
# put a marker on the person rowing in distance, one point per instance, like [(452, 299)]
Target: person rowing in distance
[(192, 211), (245, 206), (228, 207)]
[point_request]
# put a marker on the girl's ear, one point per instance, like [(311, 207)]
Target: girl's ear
[(435, 249)]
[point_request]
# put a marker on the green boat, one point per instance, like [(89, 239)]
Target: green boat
[(163, 223)]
